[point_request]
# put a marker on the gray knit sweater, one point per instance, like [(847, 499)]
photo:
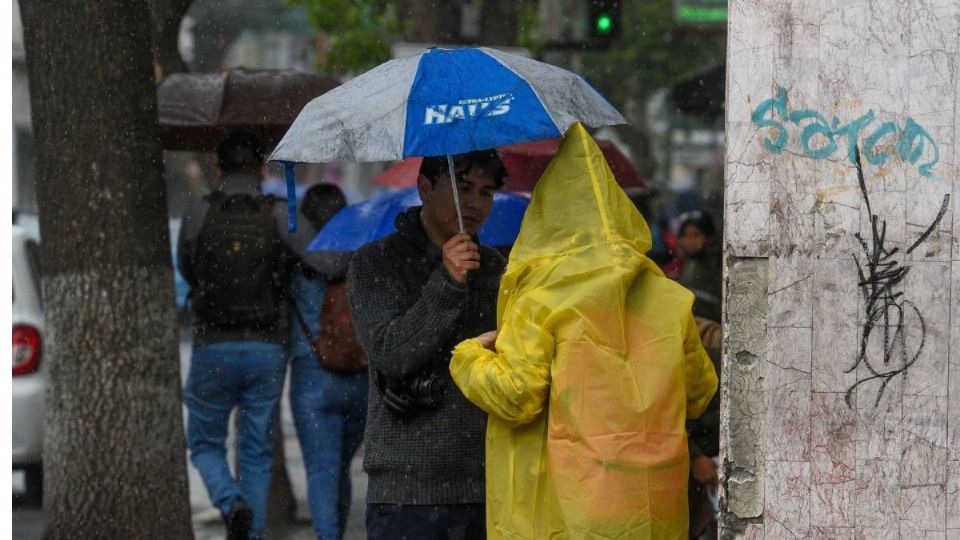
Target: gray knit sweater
[(410, 314)]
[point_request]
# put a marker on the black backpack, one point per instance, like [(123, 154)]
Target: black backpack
[(239, 262)]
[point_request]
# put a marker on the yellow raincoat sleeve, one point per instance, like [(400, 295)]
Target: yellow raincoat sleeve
[(512, 383), (699, 373)]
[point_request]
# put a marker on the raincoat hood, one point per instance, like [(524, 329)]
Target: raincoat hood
[(596, 369), (578, 203), (580, 226)]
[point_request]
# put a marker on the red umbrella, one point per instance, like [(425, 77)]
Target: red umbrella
[(525, 163)]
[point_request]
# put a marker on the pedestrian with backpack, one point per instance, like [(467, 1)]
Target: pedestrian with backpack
[(236, 253), (328, 379)]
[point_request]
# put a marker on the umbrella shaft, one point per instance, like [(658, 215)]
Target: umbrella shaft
[(456, 192)]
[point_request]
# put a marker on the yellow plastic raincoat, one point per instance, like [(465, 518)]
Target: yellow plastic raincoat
[(598, 365)]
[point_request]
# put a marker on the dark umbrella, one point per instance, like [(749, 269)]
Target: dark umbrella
[(197, 109)]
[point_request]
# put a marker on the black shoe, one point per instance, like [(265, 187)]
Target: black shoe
[(239, 521)]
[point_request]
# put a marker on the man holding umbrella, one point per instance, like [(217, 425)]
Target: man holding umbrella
[(414, 295)]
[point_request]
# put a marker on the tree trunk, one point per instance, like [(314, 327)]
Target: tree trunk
[(114, 445)]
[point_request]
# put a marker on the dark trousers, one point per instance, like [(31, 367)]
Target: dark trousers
[(426, 522)]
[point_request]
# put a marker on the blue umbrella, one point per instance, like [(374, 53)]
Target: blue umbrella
[(359, 224), (442, 102)]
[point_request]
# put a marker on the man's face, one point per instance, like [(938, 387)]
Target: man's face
[(476, 189)]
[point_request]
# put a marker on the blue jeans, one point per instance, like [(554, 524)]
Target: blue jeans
[(245, 374), (330, 411)]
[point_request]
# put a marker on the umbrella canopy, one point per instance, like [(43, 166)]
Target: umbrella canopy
[(443, 102), (359, 224), (197, 109), (525, 164)]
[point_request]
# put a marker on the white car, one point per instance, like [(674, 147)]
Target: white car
[(28, 365)]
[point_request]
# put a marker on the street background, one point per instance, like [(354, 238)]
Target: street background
[(832, 429)]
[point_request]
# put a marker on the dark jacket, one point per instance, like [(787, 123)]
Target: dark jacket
[(409, 315), (703, 275), (295, 246), (704, 432)]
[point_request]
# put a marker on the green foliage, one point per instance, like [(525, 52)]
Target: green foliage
[(358, 31), (650, 53)]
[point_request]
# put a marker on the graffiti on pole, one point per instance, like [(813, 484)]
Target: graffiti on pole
[(820, 139), (880, 270), (885, 308)]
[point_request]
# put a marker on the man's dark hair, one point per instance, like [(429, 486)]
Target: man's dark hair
[(239, 153), (487, 160), (321, 202)]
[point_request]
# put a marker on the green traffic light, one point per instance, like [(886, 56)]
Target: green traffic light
[(604, 23)]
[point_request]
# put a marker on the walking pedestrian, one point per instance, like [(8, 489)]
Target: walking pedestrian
[(702, 272), (329, 408), (235, 251), (414, 295), (703, 442)]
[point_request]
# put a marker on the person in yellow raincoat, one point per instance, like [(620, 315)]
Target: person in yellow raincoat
[(596, 367)]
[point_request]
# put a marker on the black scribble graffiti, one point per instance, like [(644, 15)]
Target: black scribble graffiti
[(879, 274)]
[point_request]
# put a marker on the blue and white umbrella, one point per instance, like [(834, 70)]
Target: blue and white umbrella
[(442, 102)]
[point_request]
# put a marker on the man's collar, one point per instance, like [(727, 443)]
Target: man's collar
[(410, 227)]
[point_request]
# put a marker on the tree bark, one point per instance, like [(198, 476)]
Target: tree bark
[(113, 445)]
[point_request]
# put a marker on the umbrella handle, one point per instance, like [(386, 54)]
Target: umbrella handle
[(291, 196), (456, 192)]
